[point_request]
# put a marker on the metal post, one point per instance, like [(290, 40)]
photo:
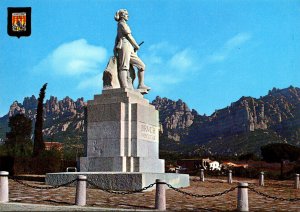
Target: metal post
[(160, 195), (68, 168), (202, 175), (3, 186), (242, 198), (229, 180), (81, 190), (297, 184), (261, 179)]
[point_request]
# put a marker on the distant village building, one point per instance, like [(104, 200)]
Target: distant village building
[(196, 164), (170, 168), (189, 164), (180, 169), (208, 164), (53, 145), (231, 164), (214, 165)]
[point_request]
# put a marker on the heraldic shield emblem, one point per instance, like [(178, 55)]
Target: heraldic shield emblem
[(19, 21)]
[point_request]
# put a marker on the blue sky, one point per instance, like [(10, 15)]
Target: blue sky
[(207, 53)]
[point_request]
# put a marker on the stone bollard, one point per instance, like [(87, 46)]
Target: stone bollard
[(242, 198), (81, 190), (297, 184), (229, 180), (3, 186), (261, 179), (202, 175), (160, 195)]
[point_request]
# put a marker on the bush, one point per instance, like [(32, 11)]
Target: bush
[(7, 164), (38, 165), (280, 151), (245, 172)]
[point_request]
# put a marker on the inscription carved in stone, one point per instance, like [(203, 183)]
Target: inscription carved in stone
[(148, 132)]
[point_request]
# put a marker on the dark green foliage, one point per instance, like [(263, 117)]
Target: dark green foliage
[(280, 151), (172, 151), (18, 142), (243, 143), (39, 145), (72, 150), (3, 127), (248, 156), (242, 172), (38, 165)]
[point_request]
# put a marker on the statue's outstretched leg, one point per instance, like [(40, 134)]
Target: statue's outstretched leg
[(141, 80), (123, 74)]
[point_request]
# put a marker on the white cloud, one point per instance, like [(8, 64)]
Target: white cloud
[(92, 82), (183, 60), (166, 66), (159, 82), (153, 59), (237, 40), (73, 59), (231, 44), (163, 47)]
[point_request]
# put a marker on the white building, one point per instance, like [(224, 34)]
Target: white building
[(210, 165), (214, 165)]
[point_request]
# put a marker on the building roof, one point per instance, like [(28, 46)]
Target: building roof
[(53, 145)]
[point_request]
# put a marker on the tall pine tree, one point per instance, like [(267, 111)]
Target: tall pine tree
[(39, 145)]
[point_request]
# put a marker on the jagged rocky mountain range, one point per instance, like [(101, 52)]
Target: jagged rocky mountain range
[(62, 118), (242, 127)]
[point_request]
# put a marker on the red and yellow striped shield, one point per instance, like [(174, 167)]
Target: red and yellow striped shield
[(19, 21)]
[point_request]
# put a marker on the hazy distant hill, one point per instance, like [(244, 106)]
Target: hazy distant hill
[(242, 127)]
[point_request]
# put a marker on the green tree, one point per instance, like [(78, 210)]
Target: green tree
[(18, 140), (278, 152), (39, 145)]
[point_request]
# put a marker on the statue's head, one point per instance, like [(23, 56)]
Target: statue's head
[(121, 13)]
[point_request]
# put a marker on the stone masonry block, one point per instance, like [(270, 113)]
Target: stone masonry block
[(105, 148), (103, 164), (151, 165), (104, 112), (145, 114), (142, 148), (104, 130)]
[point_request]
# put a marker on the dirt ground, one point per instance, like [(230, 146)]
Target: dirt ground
[(175, 201)]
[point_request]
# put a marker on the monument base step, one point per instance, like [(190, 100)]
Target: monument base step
[(119, 181)]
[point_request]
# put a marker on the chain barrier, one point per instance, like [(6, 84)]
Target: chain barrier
[(217, 180), (292, 177), (42, 187), (195, 179), (202, 195), (120, 192), (251, 188), (273, 197)]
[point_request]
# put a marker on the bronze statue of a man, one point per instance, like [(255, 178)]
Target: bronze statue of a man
[(126, 52)]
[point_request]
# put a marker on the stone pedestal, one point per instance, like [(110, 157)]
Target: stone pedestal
[(122, 134), (122, 149), (119, 181)]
